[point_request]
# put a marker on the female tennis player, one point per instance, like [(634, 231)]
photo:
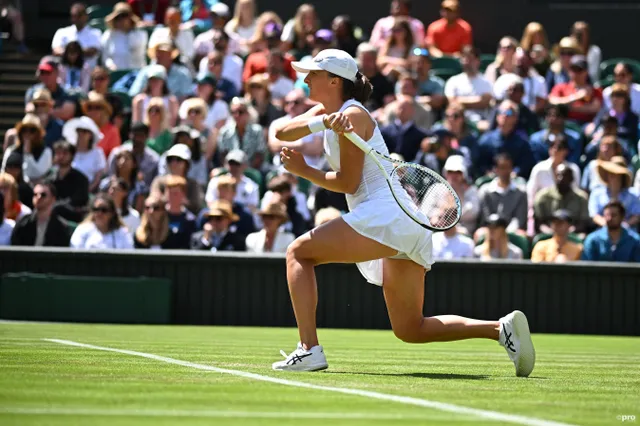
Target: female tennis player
[(390, 249)]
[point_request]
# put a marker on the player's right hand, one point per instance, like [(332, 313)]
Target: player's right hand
[(338, 122)]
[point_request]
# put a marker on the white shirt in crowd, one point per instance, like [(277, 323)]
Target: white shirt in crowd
[(90, 162), (594, 57), (219, 111), (87, 236), (634, 94), (32, 169), (534, 87), (317, 162), (123, 51), (461, 85), (131, 220), (183, 41), (281, 87), (457, 247), (88, 38), (247, 192), (255, 241), (542, 176), (6, 229), (232, 67), (241, 34)]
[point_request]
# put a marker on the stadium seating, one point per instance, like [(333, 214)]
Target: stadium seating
[(517, 240), (606, 68), (485, 60), (541, 237)]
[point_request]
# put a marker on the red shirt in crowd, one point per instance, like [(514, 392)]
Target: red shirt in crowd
[(257, 64), (449, 39), (110, 140), (567, 89), (142, 7)]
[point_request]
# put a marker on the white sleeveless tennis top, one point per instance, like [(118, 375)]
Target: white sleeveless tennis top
[(374, 213)]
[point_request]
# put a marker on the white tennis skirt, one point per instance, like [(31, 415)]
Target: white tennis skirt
[(385, 222)]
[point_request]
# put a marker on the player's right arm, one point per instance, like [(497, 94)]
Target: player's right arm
[(298, 127)]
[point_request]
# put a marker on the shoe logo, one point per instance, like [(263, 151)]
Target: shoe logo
[(508, 343), (297, 358)]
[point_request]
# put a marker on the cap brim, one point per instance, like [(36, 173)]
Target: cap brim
[(303, 67)]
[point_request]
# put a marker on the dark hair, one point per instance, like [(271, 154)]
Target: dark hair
[(279, 184), (276, 52), (139, 127), (50, 186), (134, 171), (64, 145), (79, 60), (348, 22), (124, 185), (115, 222), (79, 4), (470, 50), (503, 156), (627, 67), (560, 110), (406, 3), (165, 88), (616, 205), (195, 148), (360, 90)]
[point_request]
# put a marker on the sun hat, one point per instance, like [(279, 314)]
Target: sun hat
[(71, 127)]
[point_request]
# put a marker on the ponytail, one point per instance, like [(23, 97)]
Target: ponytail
[(360, 90)]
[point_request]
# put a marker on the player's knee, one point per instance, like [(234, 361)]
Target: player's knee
[(409, 332), (297, 251)]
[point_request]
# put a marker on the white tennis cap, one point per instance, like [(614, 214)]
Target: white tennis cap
[(455, 163), (335, 61)]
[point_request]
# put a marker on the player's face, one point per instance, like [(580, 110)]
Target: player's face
[(319, 83)]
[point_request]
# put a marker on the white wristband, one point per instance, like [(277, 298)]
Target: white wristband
[(316, 124)]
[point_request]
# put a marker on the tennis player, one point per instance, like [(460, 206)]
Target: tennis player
[(388, 247)]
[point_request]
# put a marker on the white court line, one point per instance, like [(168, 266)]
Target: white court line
[(441, 406)]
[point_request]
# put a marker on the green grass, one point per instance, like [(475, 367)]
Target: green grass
[(578, 379)]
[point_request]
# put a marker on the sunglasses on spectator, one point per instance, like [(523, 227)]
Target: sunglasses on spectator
[(94, 108), (100, 209), (195, 111), (44, 72), (507, 112), (566, 53), (621, 74), (238, 111), (100, 77), (269, 217), (40, 195), (29, 130), (154, 110), (216, 62), (216, 218), (294, 102), (507, 46), (153, 207), (454, 116), (172, 159)]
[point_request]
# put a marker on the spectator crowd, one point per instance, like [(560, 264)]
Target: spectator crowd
[(155, 129)]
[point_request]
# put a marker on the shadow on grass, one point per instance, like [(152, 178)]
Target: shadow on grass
[(434, 376)]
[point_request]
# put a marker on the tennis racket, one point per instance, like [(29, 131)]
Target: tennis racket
[(425, 196)]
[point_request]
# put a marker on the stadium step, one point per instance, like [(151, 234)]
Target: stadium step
[(11, 110), (8, 100), (10, 78), (14, 89), (17, 67)]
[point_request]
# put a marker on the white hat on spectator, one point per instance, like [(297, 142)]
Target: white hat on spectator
[(335, 61), (71, 127), (237, 155), (157, 71), (180, 150), (455, 163), (220, 9)]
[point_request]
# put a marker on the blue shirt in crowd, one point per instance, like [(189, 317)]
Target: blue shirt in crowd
[(494, 142), (573, 140), (598, 246), (179, 81), (600, 197)]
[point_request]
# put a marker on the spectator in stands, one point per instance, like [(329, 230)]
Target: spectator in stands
[(41, 105), (451, 244), (13, 208), (534, 87), (297, 34), (6, 225), (559, 70), (609, 127), (193, 114), (218, 110), (613, 242), (99, 110), (543, 174), (403, 136), (399, 9), (172, 32), (259, 41), (272, 238), (157, 118), (242, 26), (464, 136), (583, 99), (558, 248), (48, 74), (100, 80), (103, 228), (258, 93), (527, 120), (214, 66), (623, 74), (506, 139), (436, 149), (450, 34), (153, 231), (617, 181), (150, 12), (146, 158), (13, 167), (393, 57), (311, 146), (80, 31), (218, 235), (367, 56), (227, 191), (231, 66), (256, 62), (156, 87), (608, 148), (198, 170), (119, 191), (44, 227), (178, 163), (279, 84), (534, 39), (581, 32), (555, 123), (620, 111), (11, 13), (72, 186), (123, 44), (561, 196), (470, 89), (504, 62), (75, 72), (407, 86), (84, 134), (182, 223), (346, 37), (242, 132), (196, 14), (30, 144), (178, 77), (456, 173), (430, 87), (502, 196), (283, 188), (248, 193), (496, 244)]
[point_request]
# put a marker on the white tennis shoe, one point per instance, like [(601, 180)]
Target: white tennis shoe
[(515, 337), (302, 360)]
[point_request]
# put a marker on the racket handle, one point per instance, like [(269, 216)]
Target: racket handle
[(358, 141)]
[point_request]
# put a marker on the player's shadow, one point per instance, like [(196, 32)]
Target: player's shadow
[(433, 376)]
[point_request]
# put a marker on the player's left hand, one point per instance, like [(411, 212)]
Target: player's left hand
[(293, 161)]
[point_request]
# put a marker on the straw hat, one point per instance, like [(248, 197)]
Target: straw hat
[(261, 80), (95, 98), (30, 120), (617, 166), (570, 43), (163, 45), (192, 103), (42, 96), (119, 9), (275, 209), (222, 208), (226, 180), (71, 127)]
